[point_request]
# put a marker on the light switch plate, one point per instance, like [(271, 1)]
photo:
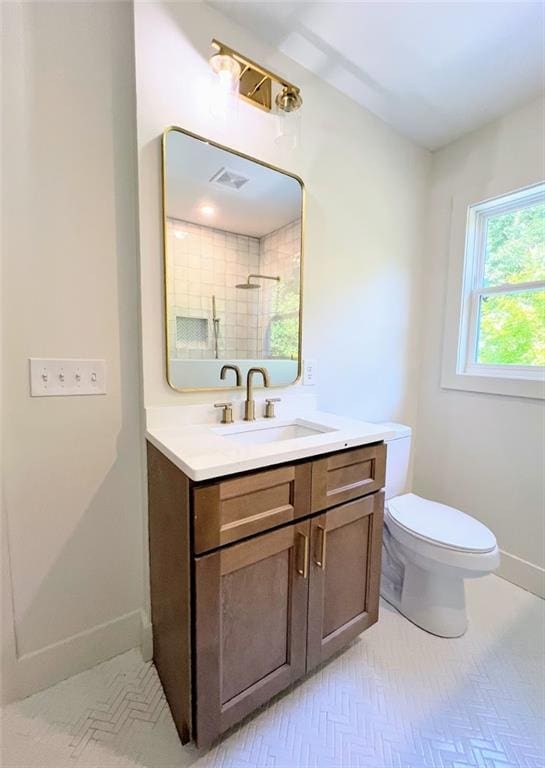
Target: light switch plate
[(54, 378), (310, 373)]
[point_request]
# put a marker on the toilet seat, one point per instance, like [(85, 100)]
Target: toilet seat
[(439, 524)]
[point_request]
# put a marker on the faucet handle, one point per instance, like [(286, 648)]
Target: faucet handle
[(227, 415), (269, 406)]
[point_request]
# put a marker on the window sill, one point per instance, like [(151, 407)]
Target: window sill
[(486, 383)]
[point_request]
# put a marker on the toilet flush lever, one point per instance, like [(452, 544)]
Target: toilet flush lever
[(227, 414)]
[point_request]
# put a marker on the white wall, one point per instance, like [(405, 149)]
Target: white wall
[(365, 202), (482, 453), (73, 582), (74, 564)]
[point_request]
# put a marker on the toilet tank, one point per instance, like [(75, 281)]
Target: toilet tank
[(398, 460)]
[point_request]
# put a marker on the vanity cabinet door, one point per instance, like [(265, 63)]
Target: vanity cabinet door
[(250, 626), (344, 581), (347, 475)]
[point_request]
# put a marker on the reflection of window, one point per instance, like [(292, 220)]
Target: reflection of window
[(283, 329), (284, 336), (503, 302)]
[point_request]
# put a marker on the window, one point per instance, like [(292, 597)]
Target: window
[(502, 320)]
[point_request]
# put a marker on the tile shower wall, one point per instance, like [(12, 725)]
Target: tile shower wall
[(207, 264)]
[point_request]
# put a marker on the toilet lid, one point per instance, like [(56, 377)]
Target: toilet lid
[(440, 524)]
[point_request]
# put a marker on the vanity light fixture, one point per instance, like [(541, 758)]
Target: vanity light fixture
[(255, 83)]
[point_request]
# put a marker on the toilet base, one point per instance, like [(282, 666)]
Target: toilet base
[(432, 598), (433, 601)]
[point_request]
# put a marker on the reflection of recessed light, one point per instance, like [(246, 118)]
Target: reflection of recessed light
[(180, 234), (208, 210)]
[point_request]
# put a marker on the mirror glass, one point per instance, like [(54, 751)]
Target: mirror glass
[(233, 266)]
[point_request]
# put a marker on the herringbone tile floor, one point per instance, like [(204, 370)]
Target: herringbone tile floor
[(397, 698)]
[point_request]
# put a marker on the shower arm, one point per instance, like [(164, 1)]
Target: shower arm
[(263, 277), (249, 284)]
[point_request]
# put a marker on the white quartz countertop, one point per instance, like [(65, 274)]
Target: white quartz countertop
[(206, 450)]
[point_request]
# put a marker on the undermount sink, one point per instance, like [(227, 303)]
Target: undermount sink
[(259, 434)]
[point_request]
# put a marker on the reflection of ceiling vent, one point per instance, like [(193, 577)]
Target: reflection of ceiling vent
[(227, 178)]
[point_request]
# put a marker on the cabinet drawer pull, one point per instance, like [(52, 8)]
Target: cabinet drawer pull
[(320, 552), (304, 570)]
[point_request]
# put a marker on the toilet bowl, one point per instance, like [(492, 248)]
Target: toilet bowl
[(429, 549)]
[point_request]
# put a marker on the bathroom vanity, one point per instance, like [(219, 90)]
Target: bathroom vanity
[(259, 573), (265, 534)]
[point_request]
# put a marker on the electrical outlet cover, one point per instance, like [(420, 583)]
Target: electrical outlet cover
[(310, 373)]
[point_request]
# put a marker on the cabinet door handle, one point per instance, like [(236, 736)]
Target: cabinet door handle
[(320, 550), (304, 570)]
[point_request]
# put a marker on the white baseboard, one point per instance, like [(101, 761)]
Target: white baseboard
[(32, 672), (146, 639), (526, 575)]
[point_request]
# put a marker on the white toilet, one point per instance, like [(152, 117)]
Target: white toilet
[(428, 550)]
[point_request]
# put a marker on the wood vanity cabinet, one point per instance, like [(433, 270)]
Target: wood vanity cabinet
[(257, 579)]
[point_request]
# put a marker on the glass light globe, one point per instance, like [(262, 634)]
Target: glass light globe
[(225, 84)]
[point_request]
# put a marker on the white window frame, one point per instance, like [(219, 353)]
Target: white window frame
[(460, 368)]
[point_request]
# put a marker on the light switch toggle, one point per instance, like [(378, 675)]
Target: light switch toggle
[(50, 377)]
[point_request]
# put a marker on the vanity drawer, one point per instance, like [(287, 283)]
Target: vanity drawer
[(231, 510), (341, 477)]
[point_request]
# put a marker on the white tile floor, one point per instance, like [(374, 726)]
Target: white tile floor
[(397, 697)]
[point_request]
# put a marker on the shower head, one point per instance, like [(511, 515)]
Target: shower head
[(248, 284)]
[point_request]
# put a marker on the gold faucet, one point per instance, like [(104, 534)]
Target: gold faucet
[(249, 405), (230, 367)]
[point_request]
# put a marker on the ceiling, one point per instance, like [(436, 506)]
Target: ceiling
[(267, 201), (433, 71)]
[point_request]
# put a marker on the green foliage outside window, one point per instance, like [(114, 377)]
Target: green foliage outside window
[(284, 325), (284, 337), (512, 325)]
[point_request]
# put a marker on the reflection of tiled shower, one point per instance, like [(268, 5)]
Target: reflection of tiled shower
[(209, 263)]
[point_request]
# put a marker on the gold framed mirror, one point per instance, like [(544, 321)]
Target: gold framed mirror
[(233, 264)]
